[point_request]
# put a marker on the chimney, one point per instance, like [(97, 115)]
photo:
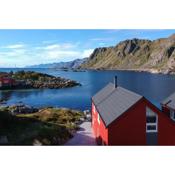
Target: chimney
[(115, 82)]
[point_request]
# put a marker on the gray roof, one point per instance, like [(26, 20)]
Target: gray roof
[(169, 101), (113, 102)]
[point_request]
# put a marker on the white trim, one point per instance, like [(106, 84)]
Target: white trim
[(151, 131), (150, 113), (98, 118), (172, 114)]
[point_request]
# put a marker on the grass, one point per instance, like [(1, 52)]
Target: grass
[(31, 75), (148, 55), (49, 126)]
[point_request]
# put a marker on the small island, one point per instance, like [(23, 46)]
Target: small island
[(33, 80)]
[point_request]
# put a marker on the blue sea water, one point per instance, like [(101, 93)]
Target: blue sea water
[(154, 87)]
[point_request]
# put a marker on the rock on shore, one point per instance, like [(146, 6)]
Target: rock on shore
[(36, 80)]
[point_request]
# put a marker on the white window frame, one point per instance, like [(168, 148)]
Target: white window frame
[(98, 119), (148, 110), (172, 114)]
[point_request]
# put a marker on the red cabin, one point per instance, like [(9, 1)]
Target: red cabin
[(6, 81), (168, 106), (122, 117)]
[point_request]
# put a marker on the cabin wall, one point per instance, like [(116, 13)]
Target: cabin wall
[(166, 127), (130, 128), (6, 81), (166, 134), (99, 129)]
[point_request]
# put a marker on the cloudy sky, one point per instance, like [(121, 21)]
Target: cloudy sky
[(19, 48)]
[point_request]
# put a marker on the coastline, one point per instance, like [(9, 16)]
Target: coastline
[(152, 71), (149, 70), (33, 80)]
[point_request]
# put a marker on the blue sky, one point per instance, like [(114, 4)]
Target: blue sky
[(19, 48)]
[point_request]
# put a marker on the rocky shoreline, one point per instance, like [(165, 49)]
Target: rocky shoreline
[(34, 80), (152, 71), (55, 83)]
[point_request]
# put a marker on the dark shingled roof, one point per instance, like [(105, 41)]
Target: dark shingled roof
[(169, 101), (112, 102)]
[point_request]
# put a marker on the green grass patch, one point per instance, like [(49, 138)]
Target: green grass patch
[(49, 126)]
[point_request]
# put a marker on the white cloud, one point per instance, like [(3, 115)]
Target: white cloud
[(55, 52), (51, 47), (60, 54), (22, 55), (13, 53), (87, 53), (63, 46), (14, 46)]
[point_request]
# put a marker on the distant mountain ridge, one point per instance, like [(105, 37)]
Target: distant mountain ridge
[(135, 54), (61, 65), (157, 56)]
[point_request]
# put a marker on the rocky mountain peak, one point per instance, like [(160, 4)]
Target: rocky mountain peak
[(172, 36), (137, 54)]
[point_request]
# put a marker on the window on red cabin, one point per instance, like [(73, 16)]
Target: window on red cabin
[(151, 121), (172, 114)]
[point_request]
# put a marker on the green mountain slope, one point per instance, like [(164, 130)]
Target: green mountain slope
[(135, 54)]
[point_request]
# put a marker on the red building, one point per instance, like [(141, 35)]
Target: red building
[(6, 81), (168, 106), (122, 117)]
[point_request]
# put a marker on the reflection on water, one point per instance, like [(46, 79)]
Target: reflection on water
[(153, 86)]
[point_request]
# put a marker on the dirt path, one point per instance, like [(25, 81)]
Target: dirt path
[(84, 136)]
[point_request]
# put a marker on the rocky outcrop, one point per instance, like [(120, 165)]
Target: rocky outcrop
[(35, 80), (21, 109), (55, 83), (135, 54)]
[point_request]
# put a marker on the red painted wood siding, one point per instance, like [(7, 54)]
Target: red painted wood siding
[(130, 128), (7, 81), (99, 129), (166, 127)]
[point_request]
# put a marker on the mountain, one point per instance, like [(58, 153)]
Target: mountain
[(135, 54), (61, 65), (50, 65)]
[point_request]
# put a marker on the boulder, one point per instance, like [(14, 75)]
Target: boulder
[(22, 109)]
